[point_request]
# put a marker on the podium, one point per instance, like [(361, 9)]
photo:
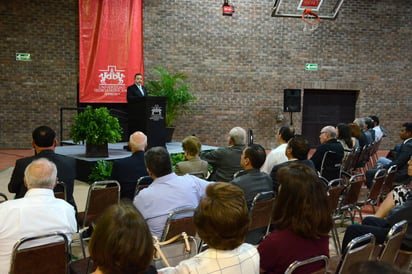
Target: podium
[(148, 115)]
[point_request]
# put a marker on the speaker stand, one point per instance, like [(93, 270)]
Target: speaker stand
[(291, 118)]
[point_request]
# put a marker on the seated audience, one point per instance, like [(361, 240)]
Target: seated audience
[(44, 143), (328, 142), (128, 170), (226, 160), (297, 152), (380, 227), (222, 221), (277, 155), (401, 159), (251, 180), (344, 137), (379, 132), (121, 242), (369, 129), (302, 221), (191, 146), (396, 197), (38, 212), (355, 132), (365, 138), (167, 192)]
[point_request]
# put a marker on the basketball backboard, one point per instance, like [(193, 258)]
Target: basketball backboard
[(325, 9)]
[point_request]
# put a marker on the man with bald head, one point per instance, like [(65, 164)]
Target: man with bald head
[(127, 170), (38, 212), (328, 142)]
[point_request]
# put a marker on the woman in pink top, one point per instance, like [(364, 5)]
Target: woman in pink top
[(302, 221)]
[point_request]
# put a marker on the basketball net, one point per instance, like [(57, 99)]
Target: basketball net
[(310, 20)]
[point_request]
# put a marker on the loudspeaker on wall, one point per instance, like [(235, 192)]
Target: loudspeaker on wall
[(291, 100)]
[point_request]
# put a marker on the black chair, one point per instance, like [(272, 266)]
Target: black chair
[(314, 260), (142, 182), (331, 165), (3, 197)]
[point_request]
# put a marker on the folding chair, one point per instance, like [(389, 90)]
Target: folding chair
[(334, 194), (389, 179), (101, 195), (60, 191), (358, 250), (48, 253), (179, 221), (374, 192), (314, 260), (3, 197), (393, 242), (330, 167), (142, 182), (351, 196), (260, 213), (348, 164)]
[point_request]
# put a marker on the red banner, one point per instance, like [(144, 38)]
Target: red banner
[(111, 48)]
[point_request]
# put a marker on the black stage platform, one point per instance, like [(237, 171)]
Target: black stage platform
[(116, 151)]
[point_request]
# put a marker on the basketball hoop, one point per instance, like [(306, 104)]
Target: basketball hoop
[(310, 19)]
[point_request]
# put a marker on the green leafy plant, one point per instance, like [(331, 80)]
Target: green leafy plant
[(176, 158), (176, 91), (101, 171), (96, 126)]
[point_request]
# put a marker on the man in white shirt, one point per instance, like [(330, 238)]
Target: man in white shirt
[(277, 155), (38, 212)]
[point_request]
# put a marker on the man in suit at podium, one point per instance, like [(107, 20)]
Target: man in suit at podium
[(137, 89)]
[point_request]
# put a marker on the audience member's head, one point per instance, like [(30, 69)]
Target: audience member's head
[(285, 133), (121, 241), (327, 133), (298, 148), (158, 162), (40, 173), (355, 130), (343, 133), (406, 131), (222, 218), (138, 141), (368, 267), (360, 122), (191, 146), (237, 136), (369, 123), (44, 137), (302, 204), (375, 120), (253, 157)]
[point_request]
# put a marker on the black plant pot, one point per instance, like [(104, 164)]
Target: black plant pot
[(97, 151), (169, 134)]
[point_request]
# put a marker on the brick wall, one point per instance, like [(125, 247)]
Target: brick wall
[(238, 66)]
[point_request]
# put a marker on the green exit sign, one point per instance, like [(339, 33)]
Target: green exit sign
[(23, 57), (311, 67)]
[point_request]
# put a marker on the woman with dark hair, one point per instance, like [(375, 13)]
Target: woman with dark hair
[(344, 136), (302, 221), (121, 242), (222, 221)]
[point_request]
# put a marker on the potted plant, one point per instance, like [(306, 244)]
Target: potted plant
[(176, 90), (97, 127)]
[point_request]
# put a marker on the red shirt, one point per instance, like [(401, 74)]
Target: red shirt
[(282, 247)]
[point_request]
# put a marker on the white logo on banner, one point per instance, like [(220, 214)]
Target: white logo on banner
[(156, 113), (111, 81)]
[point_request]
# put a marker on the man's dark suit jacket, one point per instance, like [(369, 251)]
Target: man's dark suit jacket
[(331, 145), (126, 171), (275, 169), (252, 182), (66, 172), (401, 160), (133, 92)]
